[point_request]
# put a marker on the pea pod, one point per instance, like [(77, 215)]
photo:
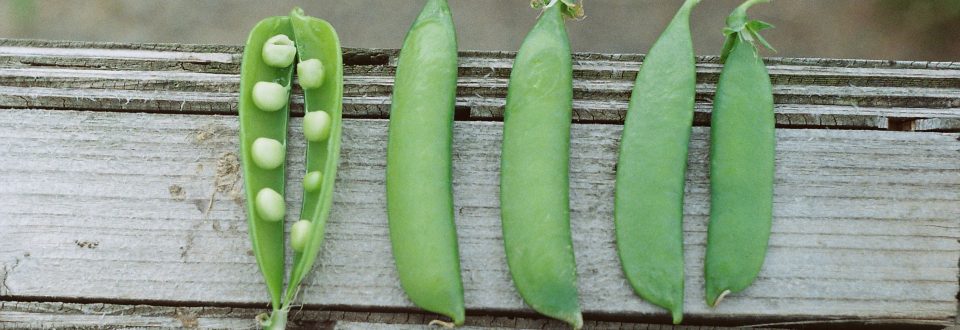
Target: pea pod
[(648, 208), (741, 162), (419, 173), (534, 169), (259, 123), (266, 74), (318, 46)]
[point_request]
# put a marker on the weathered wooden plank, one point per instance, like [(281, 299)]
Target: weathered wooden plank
[(479, 108), (106, 204), (57, 315), (350, 325), (936, 124), (824, 62), (810, 93), (365, 106)]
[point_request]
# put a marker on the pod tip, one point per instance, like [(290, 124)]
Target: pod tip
[(677, 315), (444, 324)]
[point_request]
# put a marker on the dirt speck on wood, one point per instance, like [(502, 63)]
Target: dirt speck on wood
[(86, 244), (177, 193)]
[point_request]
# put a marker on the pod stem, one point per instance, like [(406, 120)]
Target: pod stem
[(688, 5), (739, 27), (570, 8), (738, 17), (277, 320)]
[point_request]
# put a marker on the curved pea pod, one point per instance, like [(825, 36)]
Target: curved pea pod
[(742, 144), (534, 186), (260, 168), (419, 173), (648, 208), (317, 40)]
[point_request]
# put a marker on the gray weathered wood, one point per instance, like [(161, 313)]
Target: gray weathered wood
[(35, 315), (107, 206), (351, 325), (203, 79)]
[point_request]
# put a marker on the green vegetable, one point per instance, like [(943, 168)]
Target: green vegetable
[(266, 73), (534, 188), (316, 125), (300, 234), (270, 205), (741, 162), (311, 181), (271, 96), (279, 51), (317, 40), (256, 122), (310, 74), (648, 208), (419, 174), (268, 153)]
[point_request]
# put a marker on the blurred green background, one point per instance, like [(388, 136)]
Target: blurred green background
[(869, 29)]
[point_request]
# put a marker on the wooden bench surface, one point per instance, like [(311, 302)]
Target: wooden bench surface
[(122, 197)]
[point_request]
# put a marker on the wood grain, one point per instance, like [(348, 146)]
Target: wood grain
[(112, 206), (46, 315), (202, 79)]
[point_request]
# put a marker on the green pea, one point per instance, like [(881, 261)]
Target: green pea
[(741, 162), (268, 153), (270, 96), (279, 51), (534, 169), (310, 74), (648, 208), (300, 235), (316, 39), (311, 181), (270, 205), (419, 155), (316, 126), (267, 236)]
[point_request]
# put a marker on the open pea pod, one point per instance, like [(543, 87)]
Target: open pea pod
[(266, 75), (260, 121), (320, 73)]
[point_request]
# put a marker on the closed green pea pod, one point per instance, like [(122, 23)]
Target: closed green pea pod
[(419, 173), (534, 186), (648, 209), (742, 152)]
